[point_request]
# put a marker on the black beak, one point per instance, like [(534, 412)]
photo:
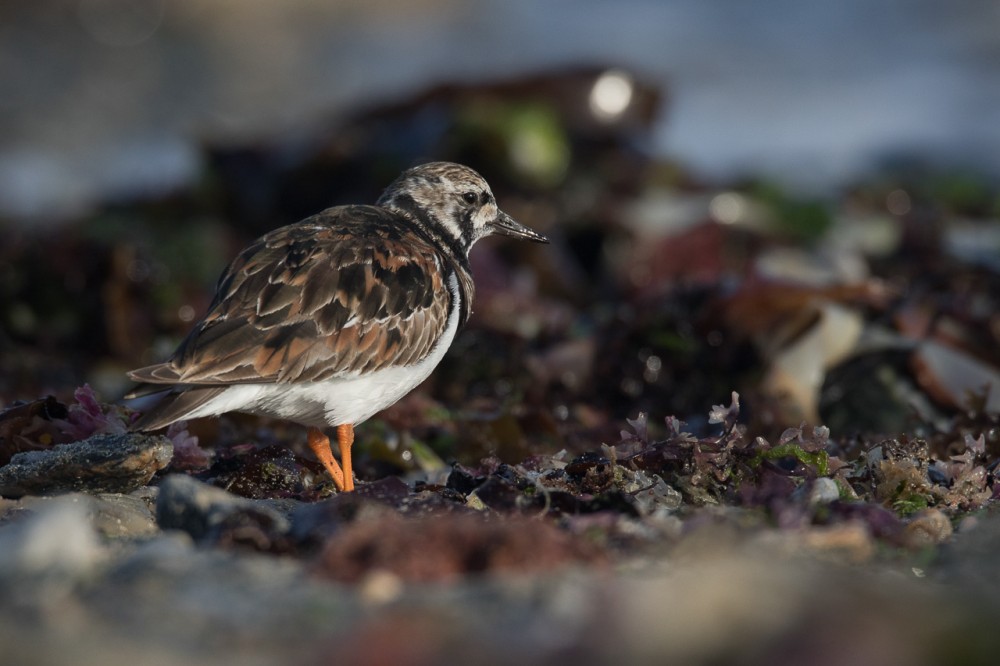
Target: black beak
[(506, 226)]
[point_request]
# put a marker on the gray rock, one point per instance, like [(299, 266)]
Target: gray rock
[(211, 514), (57, 538), (166, 602), (111, 515), (120, 516), (45, 555), (971, 558), (110, 463)]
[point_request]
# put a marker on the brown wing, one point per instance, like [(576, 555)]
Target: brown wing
[(343, 292)]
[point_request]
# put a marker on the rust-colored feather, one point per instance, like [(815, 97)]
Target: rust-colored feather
[(352, 289)]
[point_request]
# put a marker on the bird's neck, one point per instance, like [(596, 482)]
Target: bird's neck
[(453, 251)]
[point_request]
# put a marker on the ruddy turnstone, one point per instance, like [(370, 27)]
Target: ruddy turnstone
[(330, 320)]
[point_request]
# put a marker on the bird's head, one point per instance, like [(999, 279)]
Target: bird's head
[(454, 200)]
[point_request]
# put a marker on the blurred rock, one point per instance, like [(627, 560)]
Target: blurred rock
[(110, 463), (441, 548), (212, 515), (797, 371), (111, 515), (928, 528), (970, 558), (166, 602), (58, 540), (951, 375), (314, 523), (874, 392), (762, 606), (122, 516)]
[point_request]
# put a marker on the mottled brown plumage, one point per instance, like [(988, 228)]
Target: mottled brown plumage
[(334, 318)]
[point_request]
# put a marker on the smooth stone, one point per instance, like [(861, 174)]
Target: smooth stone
[(824, 490)]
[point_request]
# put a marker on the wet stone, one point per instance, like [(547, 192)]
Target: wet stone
[(108, 463)]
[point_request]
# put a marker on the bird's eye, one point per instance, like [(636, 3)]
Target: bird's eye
[(470, 197)]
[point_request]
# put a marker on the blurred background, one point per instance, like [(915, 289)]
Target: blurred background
[(742, 196), (103, 97)]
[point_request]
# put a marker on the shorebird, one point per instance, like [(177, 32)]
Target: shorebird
[(330, 320)]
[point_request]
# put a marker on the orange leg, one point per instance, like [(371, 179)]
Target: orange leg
[(345, 438), (320, 445)]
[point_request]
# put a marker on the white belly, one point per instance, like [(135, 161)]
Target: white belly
[(349, 399)]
